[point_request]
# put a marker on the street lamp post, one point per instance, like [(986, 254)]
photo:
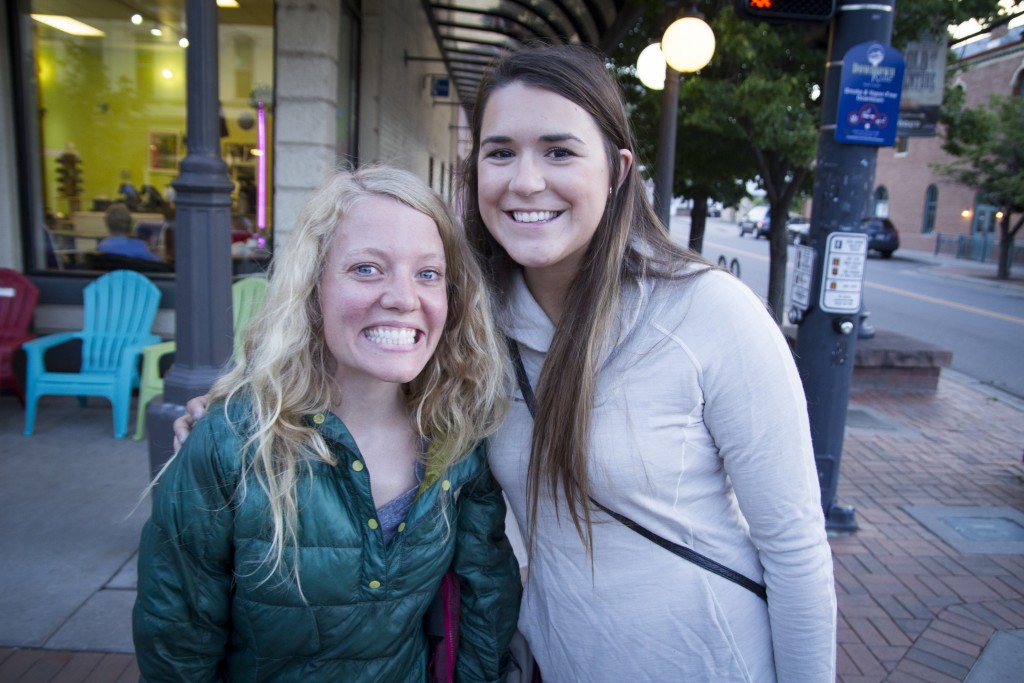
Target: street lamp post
[(203, 225), (686, 46)]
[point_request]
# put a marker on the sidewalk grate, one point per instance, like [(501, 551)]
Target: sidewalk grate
[(974, 530), (995, 529), (860, 418)]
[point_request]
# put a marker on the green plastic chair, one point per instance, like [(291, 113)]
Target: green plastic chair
[(246, 299), (119, 308)]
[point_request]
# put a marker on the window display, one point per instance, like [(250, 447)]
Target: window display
[(111, 90)]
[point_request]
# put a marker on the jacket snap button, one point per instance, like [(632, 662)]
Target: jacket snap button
[(357, 465), (375, 584), (319, 418), (401, 527), (372, 524), (446, 485)]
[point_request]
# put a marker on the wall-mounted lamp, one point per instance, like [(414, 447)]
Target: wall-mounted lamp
[(966, 213), (137, 19)]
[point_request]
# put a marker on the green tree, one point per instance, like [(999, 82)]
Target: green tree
[(988, 143), (752, 114)]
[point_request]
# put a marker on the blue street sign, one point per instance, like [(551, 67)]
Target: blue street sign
[(869, 95)]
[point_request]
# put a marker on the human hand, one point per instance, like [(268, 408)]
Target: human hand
[(194, 409)]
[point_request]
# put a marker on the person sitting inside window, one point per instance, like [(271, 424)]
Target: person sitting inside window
[(119, 224)]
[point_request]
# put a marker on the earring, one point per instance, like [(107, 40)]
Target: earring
[(610, 191)]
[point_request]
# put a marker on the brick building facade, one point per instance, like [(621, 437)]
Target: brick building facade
[(922, 204)]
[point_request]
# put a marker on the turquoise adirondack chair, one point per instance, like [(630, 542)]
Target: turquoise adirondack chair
[(246, 299), (120, 308)]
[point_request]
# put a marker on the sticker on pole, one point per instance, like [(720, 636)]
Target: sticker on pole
[(843, 277), (803, 275), (869, 95)]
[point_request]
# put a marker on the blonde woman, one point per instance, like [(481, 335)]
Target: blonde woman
[(303, 530)]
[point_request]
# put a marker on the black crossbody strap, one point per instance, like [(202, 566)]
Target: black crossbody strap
[(680, 550)]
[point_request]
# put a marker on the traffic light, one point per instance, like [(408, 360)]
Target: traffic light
[(787, 11)]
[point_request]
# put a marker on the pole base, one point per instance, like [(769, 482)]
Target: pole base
[(841, 519)]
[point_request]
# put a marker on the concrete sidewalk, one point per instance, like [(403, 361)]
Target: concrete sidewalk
[(931, 588)]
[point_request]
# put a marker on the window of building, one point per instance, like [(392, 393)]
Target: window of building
[(984, 219), (104, 102), (348, 86), (931, 203), (880, 202)]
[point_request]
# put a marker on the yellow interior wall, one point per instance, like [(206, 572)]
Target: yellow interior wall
[(104, 98)]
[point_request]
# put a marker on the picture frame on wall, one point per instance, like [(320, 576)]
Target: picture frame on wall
[(163, 151)]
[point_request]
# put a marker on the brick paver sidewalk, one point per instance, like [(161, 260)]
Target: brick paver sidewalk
[(911, 607)]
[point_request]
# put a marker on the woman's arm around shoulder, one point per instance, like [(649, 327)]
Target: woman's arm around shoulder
[(181, 616), (488, 577)]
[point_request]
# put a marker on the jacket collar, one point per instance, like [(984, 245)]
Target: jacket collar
[(525, 321)]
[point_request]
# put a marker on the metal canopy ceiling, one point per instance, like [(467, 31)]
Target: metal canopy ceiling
[(472, 33)]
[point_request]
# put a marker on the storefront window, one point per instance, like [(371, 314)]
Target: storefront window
[(111, 94)]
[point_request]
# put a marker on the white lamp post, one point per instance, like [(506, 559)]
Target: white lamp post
[(686, 46), (650, 67)]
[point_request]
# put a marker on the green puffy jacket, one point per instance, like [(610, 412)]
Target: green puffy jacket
[(207, 610)]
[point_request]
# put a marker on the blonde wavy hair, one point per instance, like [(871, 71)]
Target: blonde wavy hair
[(285, 373)]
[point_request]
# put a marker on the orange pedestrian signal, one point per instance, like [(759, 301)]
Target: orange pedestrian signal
[(786, 11)]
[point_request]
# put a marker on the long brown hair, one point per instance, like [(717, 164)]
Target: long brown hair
[(630, 243)]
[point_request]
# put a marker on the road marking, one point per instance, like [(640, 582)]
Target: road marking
[(894, 290), (950, 304)]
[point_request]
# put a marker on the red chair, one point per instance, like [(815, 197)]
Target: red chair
[(18, 297)]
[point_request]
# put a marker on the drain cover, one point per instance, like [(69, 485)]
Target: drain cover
[(995, 530), (992, 529), (858, 418)]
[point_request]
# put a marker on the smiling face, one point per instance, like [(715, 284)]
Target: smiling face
[(383, 294), (543, 178)]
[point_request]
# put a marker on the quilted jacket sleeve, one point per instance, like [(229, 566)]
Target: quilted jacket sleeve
[(489, 580), (181, 616)]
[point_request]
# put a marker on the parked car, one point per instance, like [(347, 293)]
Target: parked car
[(797, 229), (756, 221), (883, 236)]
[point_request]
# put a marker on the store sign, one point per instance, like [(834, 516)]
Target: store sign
[(922, 87), (440, 86), (869, 95)]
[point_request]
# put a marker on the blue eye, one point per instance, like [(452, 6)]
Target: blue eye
[(431, 275), (365, 269), (499, 154)]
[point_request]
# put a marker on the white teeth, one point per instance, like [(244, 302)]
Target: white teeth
[(391, 336), (533, 216)]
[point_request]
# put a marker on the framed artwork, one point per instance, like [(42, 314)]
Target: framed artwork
[(163, 151)]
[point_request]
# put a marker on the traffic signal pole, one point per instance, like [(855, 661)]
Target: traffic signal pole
[(843, 186)]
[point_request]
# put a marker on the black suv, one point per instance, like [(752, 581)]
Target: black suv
[(883, 236)]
